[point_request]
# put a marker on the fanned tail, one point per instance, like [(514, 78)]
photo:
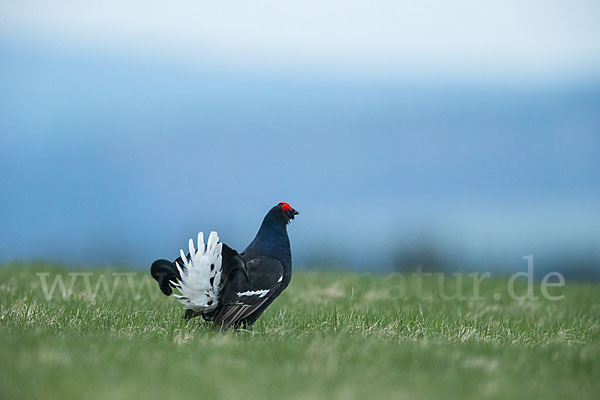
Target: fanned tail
[(200, 274)]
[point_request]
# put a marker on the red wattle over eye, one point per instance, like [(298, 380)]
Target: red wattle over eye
[(285, 206)]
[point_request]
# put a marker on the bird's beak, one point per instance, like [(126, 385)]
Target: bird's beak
[(290, 214)]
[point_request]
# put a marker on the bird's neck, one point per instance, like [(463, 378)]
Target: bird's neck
[(272, 240)]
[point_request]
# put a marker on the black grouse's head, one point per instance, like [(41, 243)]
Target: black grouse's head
[(284, 211)]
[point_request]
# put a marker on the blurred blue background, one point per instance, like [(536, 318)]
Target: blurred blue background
[(457, 134)]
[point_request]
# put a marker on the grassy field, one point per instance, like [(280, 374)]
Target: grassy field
[(331, 334)]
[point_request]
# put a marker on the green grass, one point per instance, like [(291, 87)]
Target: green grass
[(330, 335)]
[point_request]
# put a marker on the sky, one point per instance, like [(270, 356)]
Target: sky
[(466, 129), (508, 39)]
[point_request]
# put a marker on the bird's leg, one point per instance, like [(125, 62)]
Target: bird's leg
[(189, 314)]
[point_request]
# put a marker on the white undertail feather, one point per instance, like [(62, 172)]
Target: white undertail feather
[(201, 277)]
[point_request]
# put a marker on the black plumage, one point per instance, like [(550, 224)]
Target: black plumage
[(249, 282)]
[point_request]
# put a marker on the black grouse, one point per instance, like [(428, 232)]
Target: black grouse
[(228, 288)]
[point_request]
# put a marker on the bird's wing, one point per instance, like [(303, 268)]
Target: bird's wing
[(245, 294)]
